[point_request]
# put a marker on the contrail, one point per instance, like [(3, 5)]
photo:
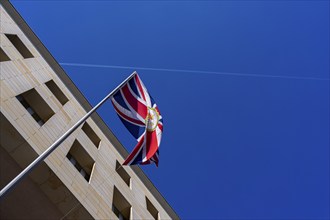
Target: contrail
[(192, 71)]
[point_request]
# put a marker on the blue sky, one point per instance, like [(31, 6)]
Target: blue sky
[(243, 87)]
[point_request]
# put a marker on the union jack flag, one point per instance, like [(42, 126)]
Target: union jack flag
[(140, 115)]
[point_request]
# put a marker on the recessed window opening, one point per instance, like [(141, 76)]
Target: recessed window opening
[(91, 134), (57, 92), (36, 106), (19, 45), (123, 174), (81, 160), (3, 56), (151, 208), (120, 206)]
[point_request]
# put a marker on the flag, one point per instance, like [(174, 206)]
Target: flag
[(140, 115)]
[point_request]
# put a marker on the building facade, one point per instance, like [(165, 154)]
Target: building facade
[(82, 178)]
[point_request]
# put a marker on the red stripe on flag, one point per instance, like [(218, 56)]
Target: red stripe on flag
[(139, 107), (138, 82), (134, 152), (127, 118), (160, 126), (152, 144)]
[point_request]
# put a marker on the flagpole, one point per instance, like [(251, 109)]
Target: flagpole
[(42, 156)]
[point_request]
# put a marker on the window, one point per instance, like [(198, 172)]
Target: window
[(151, 208), (123, 174), (36, 106), (3, 56), (81, 160), (22, 49), (57, 92), (120, 205), (91, 134)]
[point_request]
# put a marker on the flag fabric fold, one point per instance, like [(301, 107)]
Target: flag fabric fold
[(140, 115)]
